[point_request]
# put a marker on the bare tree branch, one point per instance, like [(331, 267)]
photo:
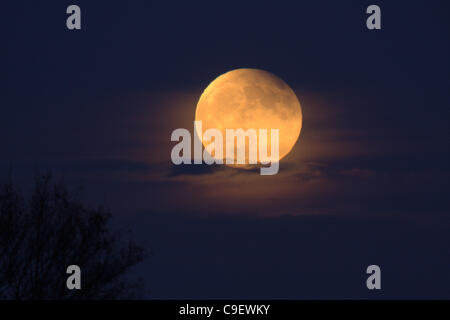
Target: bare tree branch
[(41, 237)]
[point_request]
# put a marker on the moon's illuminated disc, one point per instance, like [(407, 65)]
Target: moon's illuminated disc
[(251, 99)]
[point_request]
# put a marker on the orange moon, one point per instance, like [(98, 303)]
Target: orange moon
[(251, 99)]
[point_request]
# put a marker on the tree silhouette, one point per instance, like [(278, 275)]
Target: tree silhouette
[(42, 236)]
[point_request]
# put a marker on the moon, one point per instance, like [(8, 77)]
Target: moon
[(251, 99)]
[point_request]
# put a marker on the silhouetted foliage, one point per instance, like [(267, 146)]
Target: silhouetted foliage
[(42, 236)]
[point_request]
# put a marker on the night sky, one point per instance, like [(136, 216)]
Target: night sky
[(366, 183)]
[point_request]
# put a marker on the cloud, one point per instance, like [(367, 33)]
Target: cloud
[(192, 169)]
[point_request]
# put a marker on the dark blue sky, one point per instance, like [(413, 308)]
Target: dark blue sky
[(367, 182)]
